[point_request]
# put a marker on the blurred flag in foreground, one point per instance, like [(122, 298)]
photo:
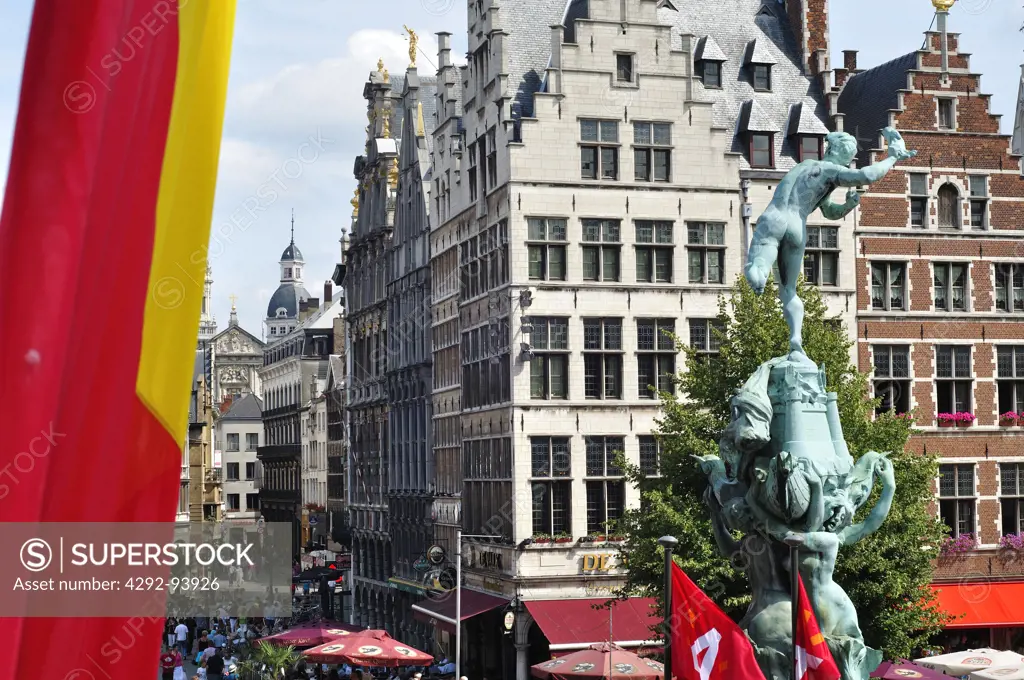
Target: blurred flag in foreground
[(103, 237)]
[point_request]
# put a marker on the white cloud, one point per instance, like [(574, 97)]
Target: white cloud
[(326, 94)]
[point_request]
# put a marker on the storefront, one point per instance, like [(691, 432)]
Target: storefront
[(503, 638), (986, 614)]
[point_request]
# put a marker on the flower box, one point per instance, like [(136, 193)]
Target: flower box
[(959, 419), (542, 539), (1012, 542), (1009, 419), (964, 543), (563, 539)]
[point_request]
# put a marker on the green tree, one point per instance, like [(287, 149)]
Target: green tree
[(268, 662), (886, 574)]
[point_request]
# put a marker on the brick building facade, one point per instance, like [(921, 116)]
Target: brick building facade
[(940, 298)]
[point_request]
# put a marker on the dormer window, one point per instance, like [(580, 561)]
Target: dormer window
[(811, 148), (712, 74), (762, 150), (762, 77)]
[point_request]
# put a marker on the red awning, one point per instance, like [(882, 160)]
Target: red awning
[(576, 624), (982, 605), (441, 612)]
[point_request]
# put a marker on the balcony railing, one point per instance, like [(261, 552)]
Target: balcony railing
[(280, 452), (215, 475)]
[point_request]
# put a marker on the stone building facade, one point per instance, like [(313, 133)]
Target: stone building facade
[(596, 191), (365, 283), (409, 374), (940, 290)]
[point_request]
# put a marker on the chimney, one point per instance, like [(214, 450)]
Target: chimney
[(444, 49), (850, 60), (809, 20), (328, 293)]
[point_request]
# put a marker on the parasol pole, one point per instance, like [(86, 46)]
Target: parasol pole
[(611, 639)]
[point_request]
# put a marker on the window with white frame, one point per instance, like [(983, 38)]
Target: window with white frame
[(950, 286), (546, 248), (232, 441), (956, 498), (1011, 498), (252, 441), (1009, 279), (1010, 378), (602, 246), (652, 151), (550, 468), (605, 486), (979, 201), (705, 252), (953, 380), (654, 251), (656, 357), (821, 256), (918, 199), (705, 336), (888, 285), (650, 455), (602, 358), (892, 378), (599, 149), (549, 366)]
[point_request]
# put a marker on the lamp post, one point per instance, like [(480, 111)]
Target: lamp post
[(669, 543), (458, 597)]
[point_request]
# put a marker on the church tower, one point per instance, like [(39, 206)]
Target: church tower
[(283, 310), (207, 322)]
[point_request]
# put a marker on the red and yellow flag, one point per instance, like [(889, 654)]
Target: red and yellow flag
[(105, 222)]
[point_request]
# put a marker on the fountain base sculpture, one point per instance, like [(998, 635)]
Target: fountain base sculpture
[(784, 476)]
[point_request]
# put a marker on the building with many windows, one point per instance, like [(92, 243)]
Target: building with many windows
[(593, 186), (940, 304), (239, 431)]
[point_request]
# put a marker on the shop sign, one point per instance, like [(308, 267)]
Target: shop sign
[(598, 562), (509, 621), (489, 560), (435, 555)]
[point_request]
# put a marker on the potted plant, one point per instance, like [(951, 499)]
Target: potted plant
[(964, 543), (563, 538), (946, 419), (1009, 419), (964, 419), (616, 539), (541, 538)]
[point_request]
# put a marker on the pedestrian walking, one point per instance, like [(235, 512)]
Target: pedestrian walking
[(181, 637)]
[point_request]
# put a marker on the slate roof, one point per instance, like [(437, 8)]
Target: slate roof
[(708, 50), (867, 97), (803, 121), (428, 98), (248, 407), (759, 52), (528, 45), (754, 119), (734, 24), (287, 296)]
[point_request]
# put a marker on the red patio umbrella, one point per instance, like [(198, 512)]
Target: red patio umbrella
[(603, 660), (905, 670), (368, 648), (311, 635)]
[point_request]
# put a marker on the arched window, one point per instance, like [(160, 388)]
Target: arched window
[(949, 207)]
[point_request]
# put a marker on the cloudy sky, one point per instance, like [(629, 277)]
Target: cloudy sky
[(295, 114)]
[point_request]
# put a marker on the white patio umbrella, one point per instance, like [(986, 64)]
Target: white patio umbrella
[(1005, 673), (973, 661)]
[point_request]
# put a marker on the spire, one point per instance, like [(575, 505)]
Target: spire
[(233, 320), (293, 226)]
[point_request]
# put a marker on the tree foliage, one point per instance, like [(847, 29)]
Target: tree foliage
[(886, 574)]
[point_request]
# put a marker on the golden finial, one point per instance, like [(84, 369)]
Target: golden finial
[(413, 41), (233, 298), (943, 5), (387, 126)]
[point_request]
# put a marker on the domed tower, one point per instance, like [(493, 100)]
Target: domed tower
[(283, 310), (207, 322)]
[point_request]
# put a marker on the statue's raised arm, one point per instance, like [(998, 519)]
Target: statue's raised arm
[(781, 233)]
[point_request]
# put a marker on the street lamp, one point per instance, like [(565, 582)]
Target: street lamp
[(668, 543), (458, 597)]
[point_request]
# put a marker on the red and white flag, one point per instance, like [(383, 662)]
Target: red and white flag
[(813, 659), (706, 644)]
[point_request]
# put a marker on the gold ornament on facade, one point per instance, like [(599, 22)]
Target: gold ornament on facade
[(943, 5), (387, 126), (413, 42), (355, 200), (380, 64), (393, 174)]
